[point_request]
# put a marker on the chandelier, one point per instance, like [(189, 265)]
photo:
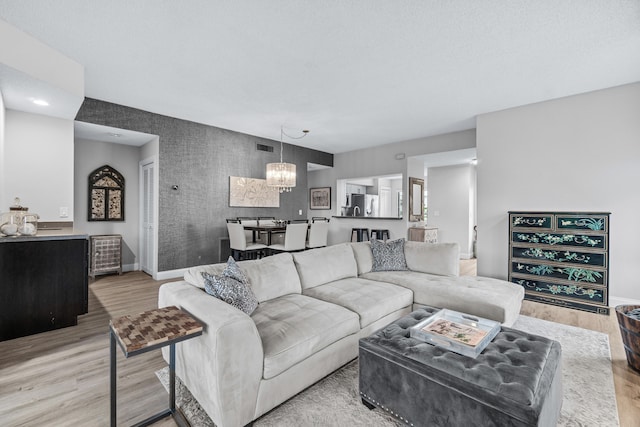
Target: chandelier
[(283, 175)]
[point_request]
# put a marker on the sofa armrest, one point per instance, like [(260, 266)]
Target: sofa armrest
[(223, 367)]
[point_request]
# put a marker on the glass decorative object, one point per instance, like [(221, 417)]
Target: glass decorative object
[(29, 224), (10, 222)]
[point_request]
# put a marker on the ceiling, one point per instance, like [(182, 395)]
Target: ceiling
[(90, 131), (357, 73)]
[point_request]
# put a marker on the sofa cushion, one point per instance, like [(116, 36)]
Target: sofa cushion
[(388, 256), (294, 327), (194, 274), (323, 265), (272, 277), (370, 299), (493, 299), (437, 258), (269, 277), (364, 256)]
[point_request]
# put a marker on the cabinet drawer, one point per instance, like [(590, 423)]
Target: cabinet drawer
[(582, 222), (560, 239), (583, 293), (538, 221), (567, 273), (569, 256)]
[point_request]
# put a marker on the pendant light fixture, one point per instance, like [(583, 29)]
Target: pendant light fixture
[(283, 175)]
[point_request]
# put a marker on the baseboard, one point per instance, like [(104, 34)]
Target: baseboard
[(170, 274), (615, 301), (130, 267)]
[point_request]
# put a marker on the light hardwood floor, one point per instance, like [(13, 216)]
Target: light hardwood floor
[(61, 378)]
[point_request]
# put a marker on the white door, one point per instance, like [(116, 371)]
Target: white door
[(147, 221)]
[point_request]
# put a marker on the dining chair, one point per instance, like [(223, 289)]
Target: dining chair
[(240, 249), (318, 234), (295, 238), (265, 220), (297, 221), (251, 236)]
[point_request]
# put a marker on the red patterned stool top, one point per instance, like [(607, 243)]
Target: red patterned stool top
[(153, 329)]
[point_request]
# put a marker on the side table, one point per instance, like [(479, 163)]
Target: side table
[(148, 331)]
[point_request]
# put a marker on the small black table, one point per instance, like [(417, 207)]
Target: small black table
[(148, 331)]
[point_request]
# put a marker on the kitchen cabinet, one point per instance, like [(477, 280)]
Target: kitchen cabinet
[(43, 283), (561, 258)]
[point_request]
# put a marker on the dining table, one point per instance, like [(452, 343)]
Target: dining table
[(269, 229)]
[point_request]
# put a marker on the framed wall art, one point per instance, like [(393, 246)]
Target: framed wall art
[(252, 193), (320, 198)]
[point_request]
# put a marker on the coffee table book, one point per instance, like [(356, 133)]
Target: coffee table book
[(458, 332)]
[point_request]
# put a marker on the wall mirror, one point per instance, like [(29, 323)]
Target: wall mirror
[(416, 199), (106, 195)]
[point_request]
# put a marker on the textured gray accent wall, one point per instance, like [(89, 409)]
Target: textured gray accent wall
[(199, 159)]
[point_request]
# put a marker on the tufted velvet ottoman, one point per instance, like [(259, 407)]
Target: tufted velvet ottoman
[(515, 381)]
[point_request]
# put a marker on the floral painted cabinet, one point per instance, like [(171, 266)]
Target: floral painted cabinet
[(561, 258)]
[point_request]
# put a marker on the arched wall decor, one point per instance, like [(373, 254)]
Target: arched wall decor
[(106, 195)]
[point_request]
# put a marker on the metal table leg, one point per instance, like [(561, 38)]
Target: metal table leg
[(172, 410), (113, 377)]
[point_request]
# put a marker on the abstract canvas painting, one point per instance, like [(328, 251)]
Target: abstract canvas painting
[(252, 193)]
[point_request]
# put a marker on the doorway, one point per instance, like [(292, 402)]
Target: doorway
[(148, 215)]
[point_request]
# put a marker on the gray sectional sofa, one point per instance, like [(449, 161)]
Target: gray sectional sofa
[(313, 308)]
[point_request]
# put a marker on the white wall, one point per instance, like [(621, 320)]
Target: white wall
[(451, 205), (90, 155), (32, 69), (150, 149), (579, 153), (2, 168), (382, 160), (38, 165), (26, 54)]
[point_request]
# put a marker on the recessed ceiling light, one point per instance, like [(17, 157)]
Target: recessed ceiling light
[(40, 102), (115, 135)]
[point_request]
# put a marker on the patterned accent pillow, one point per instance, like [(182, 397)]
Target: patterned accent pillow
[(388, 256), (226, 287), (233, 270)]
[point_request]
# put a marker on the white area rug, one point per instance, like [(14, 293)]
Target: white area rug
[(589, 395)]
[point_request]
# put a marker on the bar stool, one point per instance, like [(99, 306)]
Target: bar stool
[(380, 234), (360, 233)]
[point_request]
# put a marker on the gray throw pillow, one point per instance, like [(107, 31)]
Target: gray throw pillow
[(388, 256), (228, 288)]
